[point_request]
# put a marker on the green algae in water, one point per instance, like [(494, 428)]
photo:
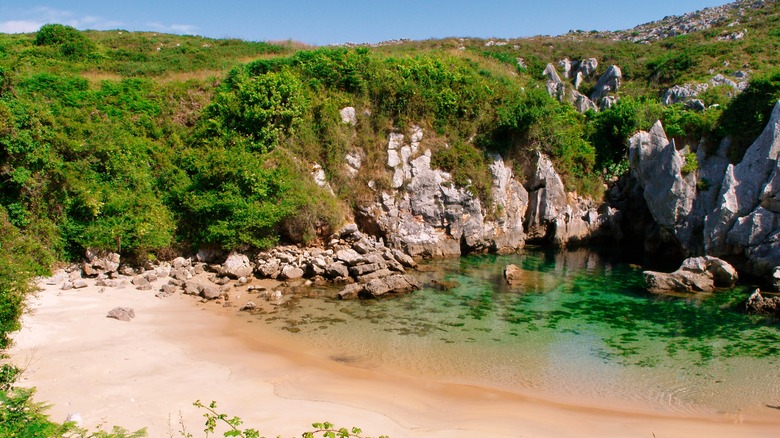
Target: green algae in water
[(577, 324)]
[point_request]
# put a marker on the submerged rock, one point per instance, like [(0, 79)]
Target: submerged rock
[(697, 274), (512, 274), (759, 304)]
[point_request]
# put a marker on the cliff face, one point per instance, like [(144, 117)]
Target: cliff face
[(427, 215), (735, 211)]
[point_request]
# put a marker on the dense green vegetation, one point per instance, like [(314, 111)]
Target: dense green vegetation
[(149, 144)]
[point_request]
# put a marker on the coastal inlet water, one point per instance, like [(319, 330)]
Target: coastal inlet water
[(579, 326)]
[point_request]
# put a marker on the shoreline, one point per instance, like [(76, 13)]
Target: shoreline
[(149, 371)]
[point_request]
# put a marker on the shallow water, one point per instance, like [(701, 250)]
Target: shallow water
[(578, 327)]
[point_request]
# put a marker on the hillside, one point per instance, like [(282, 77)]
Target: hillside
[(106, 134)]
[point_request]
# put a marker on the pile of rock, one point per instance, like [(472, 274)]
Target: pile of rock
[(362, 262), (697, 274)]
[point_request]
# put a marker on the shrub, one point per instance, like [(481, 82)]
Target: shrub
[(71, 43)]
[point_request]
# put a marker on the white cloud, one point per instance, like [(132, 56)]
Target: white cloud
[(31, 20), (19, 26), (173, 28)]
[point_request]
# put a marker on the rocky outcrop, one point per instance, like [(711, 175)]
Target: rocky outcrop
[(720, 209), (697, 274), (746, 218), (608, 83), (426, 215), (561, 218), (703, 19), (559, 89)]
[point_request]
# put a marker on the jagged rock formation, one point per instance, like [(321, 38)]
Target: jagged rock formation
[(608, 84), (737, 217), (560, 217), (426, 215), (603, 95), (697, 274)]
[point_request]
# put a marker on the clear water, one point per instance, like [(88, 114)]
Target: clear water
[(580, 326)]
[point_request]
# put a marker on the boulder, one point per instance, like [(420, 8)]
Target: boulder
[(121, 313), (235, 266), (180, 262), (696, 274), (209, 292), (348, 115), (140, 281), (587, 67), (291, 273), (337, 269), (79, 284), (551, 74), (350, 291)]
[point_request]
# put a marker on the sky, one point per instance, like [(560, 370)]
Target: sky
[(342, 21)]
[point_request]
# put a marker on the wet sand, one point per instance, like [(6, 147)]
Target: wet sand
[(148, 372)]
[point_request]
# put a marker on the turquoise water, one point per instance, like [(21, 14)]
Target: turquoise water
[(579, 326)]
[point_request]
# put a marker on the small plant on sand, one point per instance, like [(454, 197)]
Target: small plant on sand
[(214, 418)]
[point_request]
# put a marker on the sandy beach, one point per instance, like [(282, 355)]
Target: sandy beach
[(149, 371)]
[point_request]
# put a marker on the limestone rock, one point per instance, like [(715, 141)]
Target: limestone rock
[(348, 115), (697, 274), (79, 284), (657, 165), (351, 291), (587, 67), (551, 74), (512, 274), (235, 266), (209, 292), (100, 262), (758, 304), (683, 93), (291, 273), (248, 306), (609, 82), (121, 313)]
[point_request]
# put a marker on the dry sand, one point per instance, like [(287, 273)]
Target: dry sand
[(148, 372)]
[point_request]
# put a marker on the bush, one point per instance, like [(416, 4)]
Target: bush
[(71, 43)]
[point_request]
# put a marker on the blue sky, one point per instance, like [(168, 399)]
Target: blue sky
[(339, 21)]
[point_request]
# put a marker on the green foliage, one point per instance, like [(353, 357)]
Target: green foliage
[(534, 121), (468, 167), (747, 115), (691, 164), (214, 419), (70, 42), (261, 110)]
